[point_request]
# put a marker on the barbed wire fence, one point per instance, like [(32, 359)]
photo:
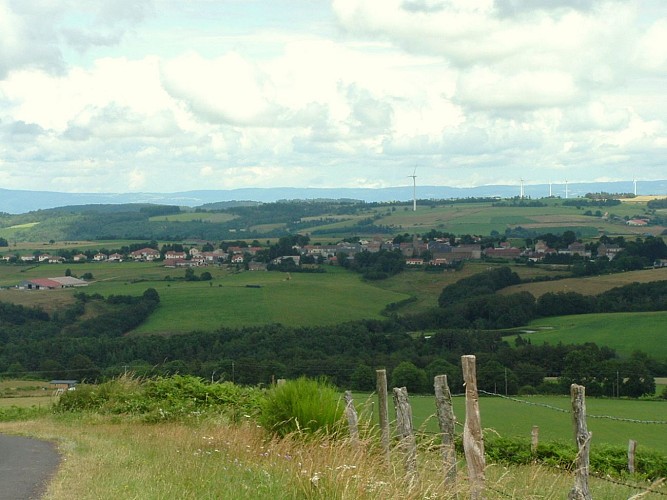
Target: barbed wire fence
[(639, 490)]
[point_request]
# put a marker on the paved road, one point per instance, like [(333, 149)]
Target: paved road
[(25, 467)]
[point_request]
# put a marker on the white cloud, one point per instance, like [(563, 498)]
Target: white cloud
[(474, 91)]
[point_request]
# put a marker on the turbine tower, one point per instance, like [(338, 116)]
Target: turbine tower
[(521, 196), (634, 182), (566, 189), (414, 190), (550, 188)]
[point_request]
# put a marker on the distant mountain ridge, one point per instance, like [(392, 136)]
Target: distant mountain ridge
[(17, 202)]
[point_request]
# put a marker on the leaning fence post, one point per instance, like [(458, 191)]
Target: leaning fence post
[(445, 411), (352, 420), (632, 448), (383, 413), (473, 443), (404, 427), (580, 489)]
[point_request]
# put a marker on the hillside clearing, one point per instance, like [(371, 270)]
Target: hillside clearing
[(590, 285), (623, 332)]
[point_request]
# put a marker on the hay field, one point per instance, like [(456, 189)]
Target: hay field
[(590, 285)]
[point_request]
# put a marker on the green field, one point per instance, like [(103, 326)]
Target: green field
[(624, 332), (511, 418), (299, 299), (482, 218)]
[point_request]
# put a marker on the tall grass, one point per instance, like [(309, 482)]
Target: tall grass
[(303, 406), (111, 458)]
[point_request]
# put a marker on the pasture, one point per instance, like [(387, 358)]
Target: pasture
[(623, 332), (515, 417), (231, 299), (246, 298)]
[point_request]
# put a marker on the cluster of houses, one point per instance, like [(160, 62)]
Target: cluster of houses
[(440, 252)]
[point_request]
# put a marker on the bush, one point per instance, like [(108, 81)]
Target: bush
[(527, 390), (604, 459), (164, 398), (303, 405)]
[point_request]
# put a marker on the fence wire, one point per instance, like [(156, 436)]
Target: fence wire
[(637, 487), (563, 410)]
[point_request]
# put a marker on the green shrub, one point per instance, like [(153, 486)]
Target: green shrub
[(527, 390), (165, 398), (303, 405), (604, 459)]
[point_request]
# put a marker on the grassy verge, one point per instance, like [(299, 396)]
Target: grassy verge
[(115, 458)]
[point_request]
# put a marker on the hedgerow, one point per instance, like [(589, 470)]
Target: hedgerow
[(164, 398)]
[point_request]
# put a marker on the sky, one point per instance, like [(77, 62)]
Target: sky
[(175, 95)]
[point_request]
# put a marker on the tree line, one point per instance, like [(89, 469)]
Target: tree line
[(69, 344)]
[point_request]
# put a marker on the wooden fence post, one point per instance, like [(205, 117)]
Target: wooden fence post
[(473, 442), (632, 448), (534, 439), (580, 489), (445, 411), (408, 443), (352, 419), (383, 411)]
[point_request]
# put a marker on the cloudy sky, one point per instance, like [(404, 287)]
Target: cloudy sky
[(173, 95)]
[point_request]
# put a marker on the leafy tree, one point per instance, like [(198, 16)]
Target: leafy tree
[(454, 374), (363, 378), (409, 376), (496, 378), (529, 374)]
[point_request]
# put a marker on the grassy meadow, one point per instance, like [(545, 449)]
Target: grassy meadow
[(231, 299), (515, 418), (624, 332)]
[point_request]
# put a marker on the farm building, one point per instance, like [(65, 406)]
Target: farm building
[(51, 283), (63, 385)]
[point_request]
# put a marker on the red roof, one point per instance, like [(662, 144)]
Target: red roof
[(46, 283)]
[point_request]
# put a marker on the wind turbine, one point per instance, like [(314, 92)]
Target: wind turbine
[(414, 190), (549, 188), (521, 196), (634, 182), (566, 189)]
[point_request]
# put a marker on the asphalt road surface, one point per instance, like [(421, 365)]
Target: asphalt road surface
[(25, 467)]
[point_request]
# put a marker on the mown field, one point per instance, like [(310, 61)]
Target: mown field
[(624, 332), (590, 285), (515, 417)]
